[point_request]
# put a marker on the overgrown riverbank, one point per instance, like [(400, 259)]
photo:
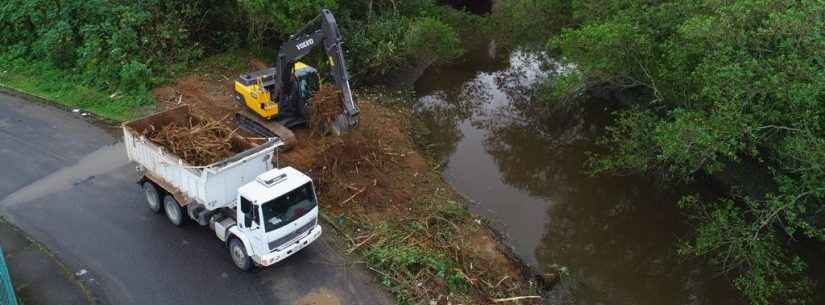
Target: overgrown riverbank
[(717, 87), (408, 224)]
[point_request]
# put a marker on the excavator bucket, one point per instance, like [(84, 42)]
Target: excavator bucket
[(343, 123)]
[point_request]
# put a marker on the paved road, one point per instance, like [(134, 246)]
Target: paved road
[(68, 184)]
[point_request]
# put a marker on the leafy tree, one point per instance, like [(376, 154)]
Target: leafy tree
[(280, 17), (724, 85)]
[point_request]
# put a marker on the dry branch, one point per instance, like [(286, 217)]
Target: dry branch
[(200, 143), (325, 106), (515, 298)]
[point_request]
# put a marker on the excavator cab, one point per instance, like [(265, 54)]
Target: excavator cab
[(308, 80)]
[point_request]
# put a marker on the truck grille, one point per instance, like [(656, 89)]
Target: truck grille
[(282, 242)]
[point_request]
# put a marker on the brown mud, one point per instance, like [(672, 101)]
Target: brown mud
[(387, 197), (321, 296)]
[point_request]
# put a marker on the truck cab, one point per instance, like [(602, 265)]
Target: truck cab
[(277, 215)]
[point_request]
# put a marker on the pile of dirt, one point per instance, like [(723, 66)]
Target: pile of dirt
[(325, 105), (200, 142), (354, 170), (209, 95)]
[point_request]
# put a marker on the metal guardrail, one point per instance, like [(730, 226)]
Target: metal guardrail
[(7, 296)]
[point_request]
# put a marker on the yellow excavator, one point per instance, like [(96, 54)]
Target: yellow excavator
[(277, 98)]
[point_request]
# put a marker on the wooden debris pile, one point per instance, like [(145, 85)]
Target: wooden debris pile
[(201, 142), (324, 105)]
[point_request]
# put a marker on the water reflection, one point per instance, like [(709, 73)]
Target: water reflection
[(524, 167)]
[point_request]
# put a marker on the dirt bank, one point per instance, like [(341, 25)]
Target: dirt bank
[(406, 223)]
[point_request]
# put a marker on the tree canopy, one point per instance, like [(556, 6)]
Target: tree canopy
[(725, 85)]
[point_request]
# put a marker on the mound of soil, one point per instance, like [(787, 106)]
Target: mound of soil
[(208, 95), (364, 165)]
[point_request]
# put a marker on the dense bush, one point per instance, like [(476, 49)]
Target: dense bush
[(130, 46), (380, 36), (724, 84), (278, 18), (116, 44), (524, 23), (390, 42)]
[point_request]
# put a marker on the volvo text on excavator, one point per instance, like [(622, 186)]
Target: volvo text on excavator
[(277, 98)]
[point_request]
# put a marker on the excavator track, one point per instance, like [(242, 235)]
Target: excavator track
[(265, 128)]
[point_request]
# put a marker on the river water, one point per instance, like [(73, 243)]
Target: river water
[(524, 168)]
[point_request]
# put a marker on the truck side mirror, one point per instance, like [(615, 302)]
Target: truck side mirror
[(246, 206), (247, 221)]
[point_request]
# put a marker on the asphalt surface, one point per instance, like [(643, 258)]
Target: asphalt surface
[(66, 182), (38, 278)]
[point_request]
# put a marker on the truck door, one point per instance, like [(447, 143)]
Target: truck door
[(249, 218)]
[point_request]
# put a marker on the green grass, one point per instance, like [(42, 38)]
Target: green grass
[(417, 249), (64, 88), (67, 88)]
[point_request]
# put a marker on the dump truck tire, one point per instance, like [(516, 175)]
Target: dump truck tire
[(173, 211), (152, 196), (239, 256)]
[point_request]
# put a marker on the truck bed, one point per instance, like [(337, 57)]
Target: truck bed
[(214, 185)]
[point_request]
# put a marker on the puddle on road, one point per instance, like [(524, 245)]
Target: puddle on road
[(320, 296), (99, 162)]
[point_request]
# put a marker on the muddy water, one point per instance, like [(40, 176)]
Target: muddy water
[(523, 167)]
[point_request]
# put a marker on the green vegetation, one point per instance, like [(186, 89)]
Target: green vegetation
[(421, 252), (403, 260), (50, 83), (718, 86), (126, 48), (525, 23)]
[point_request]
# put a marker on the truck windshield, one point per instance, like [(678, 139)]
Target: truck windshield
[(290, 206)]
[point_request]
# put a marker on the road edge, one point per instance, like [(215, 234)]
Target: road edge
[(7, 219), (87, 293), (33, 97)]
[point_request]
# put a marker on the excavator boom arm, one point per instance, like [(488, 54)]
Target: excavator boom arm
[(322, 29)]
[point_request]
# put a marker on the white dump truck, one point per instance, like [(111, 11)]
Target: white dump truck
[(262, 213)]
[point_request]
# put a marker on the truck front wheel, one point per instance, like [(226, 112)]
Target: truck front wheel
[(239, 256), (152, 196), (173, 210)]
